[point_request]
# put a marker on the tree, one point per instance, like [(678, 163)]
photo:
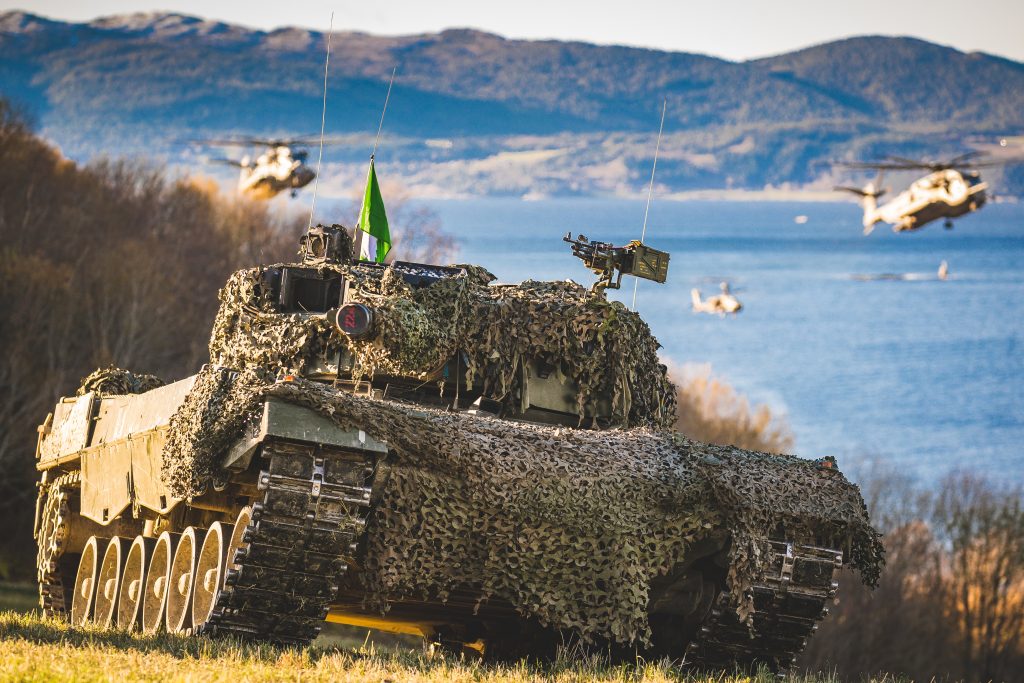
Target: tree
[(417, 234), (113, 263), (950, 603), (984, 532)]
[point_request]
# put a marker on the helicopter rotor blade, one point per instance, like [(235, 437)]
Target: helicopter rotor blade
[(861, 191), (241, 142), (882, 165), (963, 158), (914, 163), (294, 141)]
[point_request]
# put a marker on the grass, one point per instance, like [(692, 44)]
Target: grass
[(38, 649)]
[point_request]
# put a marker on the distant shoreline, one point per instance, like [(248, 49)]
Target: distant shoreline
[(736, 195)]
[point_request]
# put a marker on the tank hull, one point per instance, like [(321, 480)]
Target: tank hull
[(310, 483)]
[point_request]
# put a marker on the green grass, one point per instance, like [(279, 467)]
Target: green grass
[(38, 649), (44, 650)]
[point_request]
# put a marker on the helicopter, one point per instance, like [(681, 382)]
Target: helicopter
[(281, 166), (720, 304), (951, 189)]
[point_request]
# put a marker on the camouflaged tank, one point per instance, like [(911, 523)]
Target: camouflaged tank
[(417, 449)]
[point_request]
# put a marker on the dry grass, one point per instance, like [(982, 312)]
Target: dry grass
[(36, 649), (710, 410)]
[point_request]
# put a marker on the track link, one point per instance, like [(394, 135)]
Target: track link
[(298, 544), (51, 572), (789, 599)]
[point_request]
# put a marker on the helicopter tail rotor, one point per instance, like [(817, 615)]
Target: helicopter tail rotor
[(868, 190), (869, 195)]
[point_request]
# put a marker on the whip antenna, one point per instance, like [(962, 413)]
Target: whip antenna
[(650, 189), (323, 121), (380, 126)]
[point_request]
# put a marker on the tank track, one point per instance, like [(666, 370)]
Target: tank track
[(53, 534), (789, 600), (297, 546)]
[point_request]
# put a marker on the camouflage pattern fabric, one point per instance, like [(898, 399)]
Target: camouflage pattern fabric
[(600, 345), (568, 525), (111, 381)]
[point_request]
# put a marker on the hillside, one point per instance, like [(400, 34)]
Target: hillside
[(148, 82)]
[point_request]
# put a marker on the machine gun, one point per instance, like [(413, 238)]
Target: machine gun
[(611, 262)]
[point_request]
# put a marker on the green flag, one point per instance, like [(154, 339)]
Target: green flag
[(373, 220)]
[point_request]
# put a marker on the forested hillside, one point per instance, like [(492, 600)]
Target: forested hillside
[(467, 104), (110, 263)]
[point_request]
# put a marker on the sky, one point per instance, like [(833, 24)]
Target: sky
[(733, 29)]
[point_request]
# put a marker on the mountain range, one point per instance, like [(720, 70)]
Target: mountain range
[(474, 113)]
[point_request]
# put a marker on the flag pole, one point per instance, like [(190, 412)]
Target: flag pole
[(362, 237), (650, 189)]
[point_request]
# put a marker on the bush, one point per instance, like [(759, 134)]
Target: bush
[(950, 603), (710, 410)]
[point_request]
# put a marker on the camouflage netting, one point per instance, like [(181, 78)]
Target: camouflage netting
[(568, 525), (111, 381), (601, 346)]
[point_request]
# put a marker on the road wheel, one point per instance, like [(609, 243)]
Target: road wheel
[(210, 569), (154, 601), (181, 580), (133, 583), (85, 582), (108, 582)]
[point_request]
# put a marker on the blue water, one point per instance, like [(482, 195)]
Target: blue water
[(926, 375)]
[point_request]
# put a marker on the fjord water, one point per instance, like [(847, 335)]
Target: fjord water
[(922, 374)]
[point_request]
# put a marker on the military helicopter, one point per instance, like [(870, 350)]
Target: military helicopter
[(951, 189), (719, 304), (280, 167)]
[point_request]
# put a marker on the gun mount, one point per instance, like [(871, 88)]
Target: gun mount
[(611, 262)]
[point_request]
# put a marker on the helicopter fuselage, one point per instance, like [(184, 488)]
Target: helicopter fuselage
[(275, 171), (946, 193)]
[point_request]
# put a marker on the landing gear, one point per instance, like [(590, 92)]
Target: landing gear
[(948, 225)]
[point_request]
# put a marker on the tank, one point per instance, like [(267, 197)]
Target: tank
[(419, 449)]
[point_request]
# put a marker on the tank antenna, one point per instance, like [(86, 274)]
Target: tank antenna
[(380, 126), (650, 189), (323, 122)]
